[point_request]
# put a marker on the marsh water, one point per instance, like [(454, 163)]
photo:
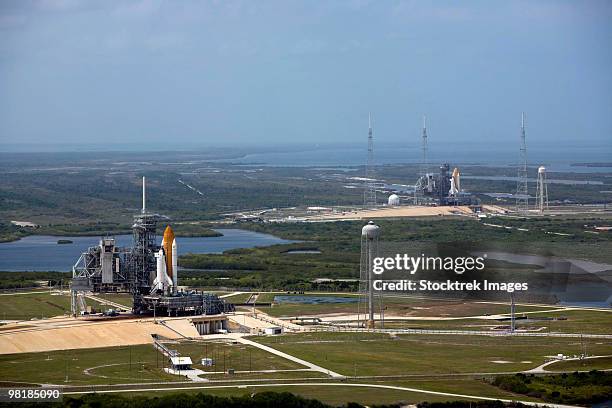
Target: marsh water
[(43, 253)]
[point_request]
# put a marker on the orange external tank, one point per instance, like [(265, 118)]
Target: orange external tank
[(167, 242)]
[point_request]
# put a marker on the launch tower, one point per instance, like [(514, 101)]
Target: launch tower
[(146, 270)]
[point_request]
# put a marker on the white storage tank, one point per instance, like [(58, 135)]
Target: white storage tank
[(394, 200)]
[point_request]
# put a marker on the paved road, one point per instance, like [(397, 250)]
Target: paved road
[(541, 368), (320, 384), (103, 301), (310, 365)]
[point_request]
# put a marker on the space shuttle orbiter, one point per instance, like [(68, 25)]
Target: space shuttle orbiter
[(166, 278), (455, 183)]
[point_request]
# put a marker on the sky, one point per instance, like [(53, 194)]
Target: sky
[(183, 73)]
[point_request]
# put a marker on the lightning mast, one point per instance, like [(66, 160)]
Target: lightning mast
[(424, 163), (144, 195), (369, 196), (422, 176), (522, 192)]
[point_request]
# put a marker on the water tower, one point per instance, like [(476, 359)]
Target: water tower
[(367, 301), (542, 190), (393, 200)]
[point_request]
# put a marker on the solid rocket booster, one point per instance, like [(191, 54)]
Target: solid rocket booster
[(174, 265)]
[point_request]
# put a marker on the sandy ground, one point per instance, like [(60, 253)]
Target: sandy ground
[(391, 212), (75, 334), (262, 321), (183, 326)]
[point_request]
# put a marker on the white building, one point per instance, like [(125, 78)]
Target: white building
[(273, 330), (181, 363)]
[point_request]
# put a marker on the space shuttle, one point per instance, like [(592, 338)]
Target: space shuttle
[(455, 183), (166, 278)]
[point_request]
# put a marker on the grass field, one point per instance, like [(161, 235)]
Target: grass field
[(426, 354), (125, 299), (140, 364), (336, 394), (240, 357), (115, 365), (604, 363), (396, 305), (239, 298), (575, 321), (339, 394), (28, 305)]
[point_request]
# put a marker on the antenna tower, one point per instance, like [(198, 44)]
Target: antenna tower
[(369, 196), (522, 192)]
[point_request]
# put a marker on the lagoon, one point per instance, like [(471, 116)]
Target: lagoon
[(43, 253)]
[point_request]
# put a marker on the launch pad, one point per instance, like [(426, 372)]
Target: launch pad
[(146, 270), (442, 188)]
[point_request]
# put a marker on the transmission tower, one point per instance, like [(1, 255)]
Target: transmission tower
[(369, 195), (522, 192)]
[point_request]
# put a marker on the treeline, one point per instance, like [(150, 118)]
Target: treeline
[(22, 280), (259, 400), (10, 232), (575, 388), (276, 268)]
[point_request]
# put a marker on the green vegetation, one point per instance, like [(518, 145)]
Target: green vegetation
[(271, 268), (128, 364), (63, 193), (240, 298), (38, 305), (240, 357), (575, 388), (125, 299), (566, 321), (22, 280), (10, 232), (371, 354), (397, 306), (260, 399), (602, 363)]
